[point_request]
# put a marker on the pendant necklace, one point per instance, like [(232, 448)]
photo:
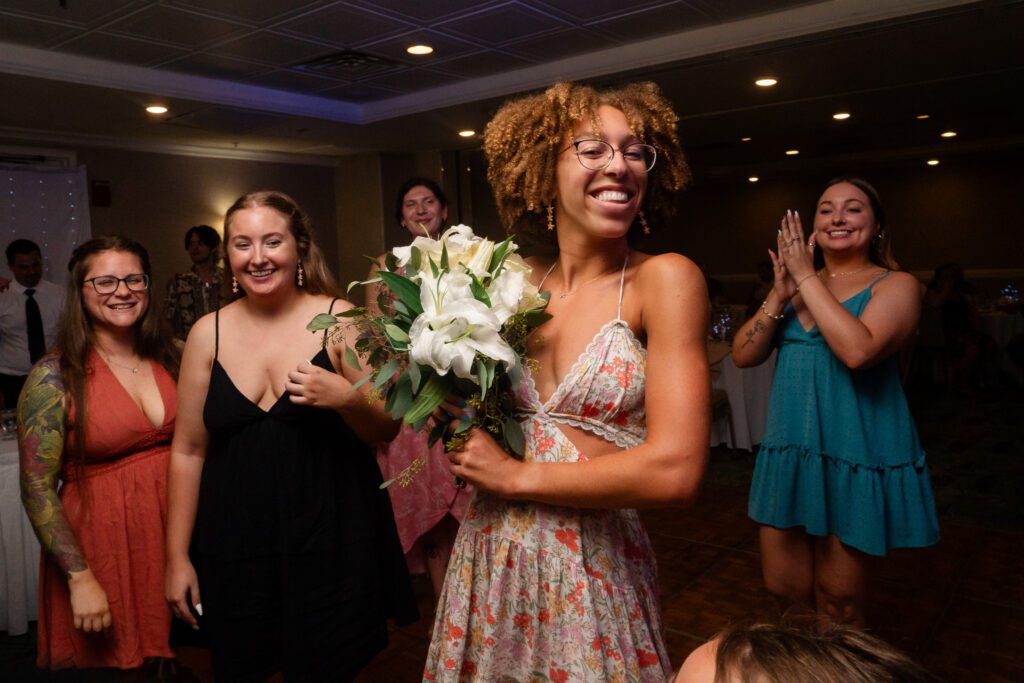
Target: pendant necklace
[(134, 370)]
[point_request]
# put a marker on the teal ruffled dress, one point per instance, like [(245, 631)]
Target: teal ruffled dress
[(841, 454)]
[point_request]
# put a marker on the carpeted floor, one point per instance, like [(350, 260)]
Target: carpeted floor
[(957, 607)]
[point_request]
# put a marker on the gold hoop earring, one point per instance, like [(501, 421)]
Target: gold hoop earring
[(234, 285), (299, 275), (551, 217), (643, 223)]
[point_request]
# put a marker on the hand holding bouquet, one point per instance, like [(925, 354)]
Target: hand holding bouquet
[(456, 314)]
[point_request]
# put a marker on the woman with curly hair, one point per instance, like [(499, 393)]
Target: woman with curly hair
[(552, 576)]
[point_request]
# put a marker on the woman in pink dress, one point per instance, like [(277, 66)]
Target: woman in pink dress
[(552, 577), (95, 421), (428, 508)]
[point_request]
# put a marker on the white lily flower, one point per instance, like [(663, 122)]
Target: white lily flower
[(449, 338), (477, 258)]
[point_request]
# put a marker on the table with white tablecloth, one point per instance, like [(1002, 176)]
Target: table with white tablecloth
[(19, 549), (1004, 328), (749, 390)]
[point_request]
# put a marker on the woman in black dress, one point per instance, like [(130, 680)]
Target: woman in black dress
[(272, 485)]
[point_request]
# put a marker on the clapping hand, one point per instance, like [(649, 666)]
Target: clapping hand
[(795, 259)]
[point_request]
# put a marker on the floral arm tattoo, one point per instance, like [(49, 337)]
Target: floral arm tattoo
[(754, 331), (41, 416)]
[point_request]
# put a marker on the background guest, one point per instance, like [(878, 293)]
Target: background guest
[(30, 309), (428, 510), (298, 559), (553, 575), (202, 289), (840, 474), (94, 428)]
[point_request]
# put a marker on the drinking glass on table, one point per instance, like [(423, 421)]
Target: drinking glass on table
[(8, 424)]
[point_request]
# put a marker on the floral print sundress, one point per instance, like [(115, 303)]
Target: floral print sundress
[(538, 592)]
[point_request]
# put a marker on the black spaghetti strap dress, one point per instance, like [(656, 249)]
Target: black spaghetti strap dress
[(296, 549)]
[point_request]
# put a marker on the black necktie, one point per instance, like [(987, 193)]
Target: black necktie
[(34, 323)]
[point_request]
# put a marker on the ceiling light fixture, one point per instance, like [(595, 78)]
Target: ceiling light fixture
[(419, 49), (922, 117), (156, 109), (949, 134), (765, 82), (746, 139), (467, 133), (753, 178), (841, 115), (792, 152), (932, 162)]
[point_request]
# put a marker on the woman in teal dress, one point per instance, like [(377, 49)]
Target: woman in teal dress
[(840, 474)]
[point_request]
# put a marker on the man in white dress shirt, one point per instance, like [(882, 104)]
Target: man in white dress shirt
[(30, 311)]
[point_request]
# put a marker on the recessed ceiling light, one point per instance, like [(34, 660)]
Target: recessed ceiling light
[(419, 49), (467, 133), (765, 82), (753, 178), (156, 109), (933, 162), (949, 134), (792, 152), (841, 115), (746, 139), (922, 117)]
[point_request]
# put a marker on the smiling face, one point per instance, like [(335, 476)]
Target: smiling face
[(604, 202), (261, 250), (123, 308), (844, 221), (421, 207)]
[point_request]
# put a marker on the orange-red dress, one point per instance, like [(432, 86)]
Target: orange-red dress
[(119, 524)]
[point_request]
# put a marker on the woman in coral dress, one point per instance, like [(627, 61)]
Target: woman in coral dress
[(97, 416), (553, 577)]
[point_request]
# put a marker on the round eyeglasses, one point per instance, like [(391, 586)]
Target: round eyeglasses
[(108, 284), (597, 154)]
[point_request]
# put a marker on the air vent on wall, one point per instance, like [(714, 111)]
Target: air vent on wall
[(348, 64)]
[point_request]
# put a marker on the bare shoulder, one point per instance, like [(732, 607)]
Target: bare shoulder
[(201, 336), (668, 272), (898, 284)]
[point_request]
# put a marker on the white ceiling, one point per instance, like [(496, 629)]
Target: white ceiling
[(235, 76)]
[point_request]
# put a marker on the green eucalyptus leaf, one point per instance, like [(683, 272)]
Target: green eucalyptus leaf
[(481, 376), (403, 396), (352, 358), (463, 426), (385, 373), (322, 321), (515, 372), (514, 437), (364, 380), (351, 313), (396, 333), (414, 375), (388, 483)]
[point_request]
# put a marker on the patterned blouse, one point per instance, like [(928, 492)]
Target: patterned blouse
[(189, 298)]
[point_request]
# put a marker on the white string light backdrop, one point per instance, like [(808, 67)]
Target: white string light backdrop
[(49, 206)]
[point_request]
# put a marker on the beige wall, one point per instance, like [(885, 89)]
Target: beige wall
[(155, 198)]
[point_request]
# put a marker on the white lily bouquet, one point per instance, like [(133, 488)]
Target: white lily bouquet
[(456, 314)]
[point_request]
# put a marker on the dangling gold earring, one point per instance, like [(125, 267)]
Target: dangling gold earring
[(299, 273), (234, 285), (551, 217), (643, 224)]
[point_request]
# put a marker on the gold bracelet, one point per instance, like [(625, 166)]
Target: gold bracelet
[(805, 279), (764, 309)]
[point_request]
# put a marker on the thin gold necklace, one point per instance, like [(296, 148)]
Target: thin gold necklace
[(850, 272), (575, 289), (134, 370)]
